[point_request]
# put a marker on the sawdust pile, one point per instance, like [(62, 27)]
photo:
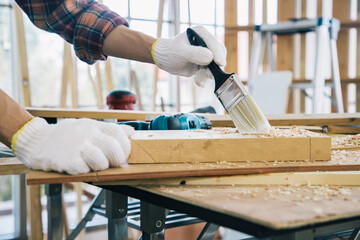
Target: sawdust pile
[(349, 141), (273, 132)]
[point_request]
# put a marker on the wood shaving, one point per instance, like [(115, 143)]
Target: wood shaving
[(292, 132), (346, 142), (273, 132)]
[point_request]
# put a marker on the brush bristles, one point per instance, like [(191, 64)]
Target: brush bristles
[(248, 118)]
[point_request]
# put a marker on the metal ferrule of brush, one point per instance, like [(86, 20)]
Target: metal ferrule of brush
[(231, 92)]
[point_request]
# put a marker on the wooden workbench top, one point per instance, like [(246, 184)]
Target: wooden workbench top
[(340, 161), (277, 207)]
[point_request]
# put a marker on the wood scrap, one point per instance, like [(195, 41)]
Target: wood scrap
[(346, 142)]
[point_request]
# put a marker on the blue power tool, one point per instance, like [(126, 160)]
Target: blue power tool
[(180, 121)]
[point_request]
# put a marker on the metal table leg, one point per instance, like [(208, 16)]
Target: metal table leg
[(355, 234), (54, 208), (208, 231), (116, 211), (299, 235), (96, 204), (152, 220)]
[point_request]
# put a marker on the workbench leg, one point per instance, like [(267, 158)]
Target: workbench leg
[(355, 234), (152, 221), (208, 231), (116, 212), (299, 235), (153, 236), (54, 209)]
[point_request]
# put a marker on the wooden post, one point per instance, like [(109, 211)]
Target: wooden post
[(68, 78), (108, 74), (251, 23), (134, 82), (159, 30), (79, 193), (193, 86), (231, 40), (25, 98), (34, 212), (342, 12), (285, 44), (98, 86)]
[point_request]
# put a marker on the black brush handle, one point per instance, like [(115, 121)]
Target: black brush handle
[(219, 75)]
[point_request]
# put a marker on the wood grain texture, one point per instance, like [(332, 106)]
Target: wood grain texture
[(10, 166), (215, 146), (292, 206), (289, 178)]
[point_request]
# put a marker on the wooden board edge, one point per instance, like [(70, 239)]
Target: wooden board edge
[(303, 178)]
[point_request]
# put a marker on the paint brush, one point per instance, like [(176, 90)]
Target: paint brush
[(243, 110)]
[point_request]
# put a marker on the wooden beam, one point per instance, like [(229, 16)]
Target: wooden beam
[(217, 120), (215, 146), (308, 178)]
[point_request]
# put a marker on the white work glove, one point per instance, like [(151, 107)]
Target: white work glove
[(73, 146), (177, 56)]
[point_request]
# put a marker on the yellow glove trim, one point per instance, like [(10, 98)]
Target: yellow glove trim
[(153, 49), (15, 136)]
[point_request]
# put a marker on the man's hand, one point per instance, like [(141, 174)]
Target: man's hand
[(178, 57), (73, 146)]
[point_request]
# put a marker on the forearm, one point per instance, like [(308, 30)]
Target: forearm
[(125, 43), (12, 118)]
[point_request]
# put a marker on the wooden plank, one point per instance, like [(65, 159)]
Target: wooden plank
[(34, 177), (348, 178), (214, 146), (11, 165), (98, 114), (340, 161), (301, 206), (98, 87)]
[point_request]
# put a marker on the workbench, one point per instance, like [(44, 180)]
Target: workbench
[(261, 211)]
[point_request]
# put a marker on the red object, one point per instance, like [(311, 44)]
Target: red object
[(121, 100)]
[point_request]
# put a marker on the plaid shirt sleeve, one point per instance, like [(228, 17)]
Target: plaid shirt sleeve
[(84, 23)]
